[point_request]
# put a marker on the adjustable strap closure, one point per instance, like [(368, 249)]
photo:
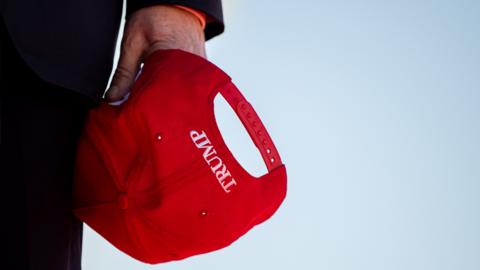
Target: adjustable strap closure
[(250, 120)]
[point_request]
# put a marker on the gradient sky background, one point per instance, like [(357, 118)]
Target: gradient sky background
[(375, 108)]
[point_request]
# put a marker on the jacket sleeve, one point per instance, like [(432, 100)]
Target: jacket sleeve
[(212, 8)]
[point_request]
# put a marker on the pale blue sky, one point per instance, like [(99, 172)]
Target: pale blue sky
[(375, 107)]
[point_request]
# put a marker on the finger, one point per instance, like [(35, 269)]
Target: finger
[(126, 71)]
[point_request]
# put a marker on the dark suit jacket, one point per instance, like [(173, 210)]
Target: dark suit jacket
[(71, 43)]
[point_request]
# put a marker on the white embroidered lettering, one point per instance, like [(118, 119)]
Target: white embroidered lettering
[(216, 164)]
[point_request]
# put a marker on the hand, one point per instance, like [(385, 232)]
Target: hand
[(150, 29)]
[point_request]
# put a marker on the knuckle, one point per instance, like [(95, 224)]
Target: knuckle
[(130, 42), (123, 73)]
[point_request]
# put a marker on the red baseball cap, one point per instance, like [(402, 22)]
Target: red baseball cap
[(154, 176)]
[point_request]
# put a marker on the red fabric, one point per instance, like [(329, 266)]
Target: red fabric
[(149, 182)]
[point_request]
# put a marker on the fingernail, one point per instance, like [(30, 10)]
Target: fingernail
[(120, 101), (112, 89)]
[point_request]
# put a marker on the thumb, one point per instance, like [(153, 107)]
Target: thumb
[(125, 73)]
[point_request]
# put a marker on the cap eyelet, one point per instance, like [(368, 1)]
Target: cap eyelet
[(203, 213), (158, 136)]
